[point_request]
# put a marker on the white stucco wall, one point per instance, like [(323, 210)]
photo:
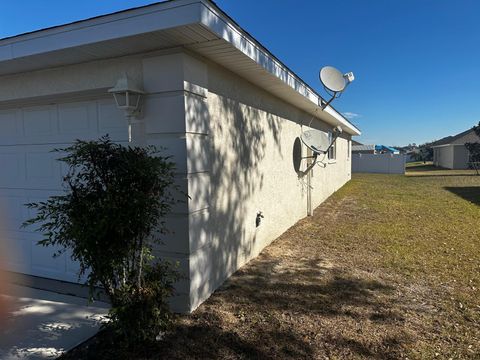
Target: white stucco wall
[(460, 157), (443, 156), (165, 124), (249, 169), (94, 78), (233, 145), (452, 156)]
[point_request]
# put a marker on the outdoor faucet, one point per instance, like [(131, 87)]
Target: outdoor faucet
[(259, 218)]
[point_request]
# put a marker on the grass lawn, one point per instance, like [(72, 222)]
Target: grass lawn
[(427, 169), (388, 267)]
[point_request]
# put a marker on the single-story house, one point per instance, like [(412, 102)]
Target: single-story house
[(373, 149), (451, 153), (363, 149), (228, 111), (412, 155), (378, 159)]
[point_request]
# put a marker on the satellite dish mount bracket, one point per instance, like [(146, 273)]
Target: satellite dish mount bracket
[(324, 103)]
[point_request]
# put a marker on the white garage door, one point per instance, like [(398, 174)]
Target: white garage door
[(29, 172)]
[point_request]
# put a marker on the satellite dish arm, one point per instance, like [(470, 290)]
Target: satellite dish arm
[(336, 133), (334, 83), (314, 162), (325, 104)]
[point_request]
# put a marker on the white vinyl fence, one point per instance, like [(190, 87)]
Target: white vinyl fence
[(378, 163)]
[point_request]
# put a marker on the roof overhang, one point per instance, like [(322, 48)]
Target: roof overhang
[(445, 145), (197, 25), (363, 147)]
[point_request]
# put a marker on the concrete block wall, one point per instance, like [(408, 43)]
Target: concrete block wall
[(250, 169), (176, 118)]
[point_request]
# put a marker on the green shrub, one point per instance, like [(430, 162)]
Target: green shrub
[(110, 216), (138, 314)]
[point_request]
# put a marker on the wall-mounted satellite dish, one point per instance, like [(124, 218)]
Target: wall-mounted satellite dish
[(334, 82), (316, 140), (319, 142)]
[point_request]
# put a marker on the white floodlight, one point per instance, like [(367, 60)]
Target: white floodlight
[(128, 96)]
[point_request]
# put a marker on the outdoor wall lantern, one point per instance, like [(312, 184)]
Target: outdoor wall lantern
[(128, 96)]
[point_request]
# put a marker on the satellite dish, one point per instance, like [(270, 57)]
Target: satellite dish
[(332, 79), (316, 140), (334, 82), (319, 142)]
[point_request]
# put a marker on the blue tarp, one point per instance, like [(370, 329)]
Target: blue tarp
[(383, 148)]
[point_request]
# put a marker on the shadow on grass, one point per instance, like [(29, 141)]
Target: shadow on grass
[(302, 287), (469, 193), (277, 303), (277, 309)]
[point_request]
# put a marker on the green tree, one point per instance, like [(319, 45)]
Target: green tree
[(110, 216), (425, 153), (474, 147)]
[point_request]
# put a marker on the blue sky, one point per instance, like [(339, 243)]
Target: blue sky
[(416, 62)]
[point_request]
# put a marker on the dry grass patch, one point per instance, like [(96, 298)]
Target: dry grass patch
[(387, 268)]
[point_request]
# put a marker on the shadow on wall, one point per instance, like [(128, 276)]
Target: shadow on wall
[(239, 144), (297, 156), (250, 148), (469, 193)]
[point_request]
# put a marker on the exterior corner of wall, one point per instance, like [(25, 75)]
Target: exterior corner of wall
[(163, 73), (195, 71), (180, 301)]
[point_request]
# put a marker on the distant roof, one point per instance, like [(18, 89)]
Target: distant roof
[(461, 138), (356, 143), (362, 147)]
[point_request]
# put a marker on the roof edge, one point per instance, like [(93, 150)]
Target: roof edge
[(318, 99), (236, 36)]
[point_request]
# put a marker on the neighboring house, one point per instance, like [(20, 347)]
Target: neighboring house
[(373, 149), (363, 149), (412, 155), (451, 153), (377, 159), (228, 111)]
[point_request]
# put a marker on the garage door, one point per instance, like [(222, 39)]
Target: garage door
[(29, 172)]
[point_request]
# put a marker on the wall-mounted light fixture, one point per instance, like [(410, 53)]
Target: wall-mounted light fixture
[(128, 96)]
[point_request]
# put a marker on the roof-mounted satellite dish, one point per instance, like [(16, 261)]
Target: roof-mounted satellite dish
[(334, 82)]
